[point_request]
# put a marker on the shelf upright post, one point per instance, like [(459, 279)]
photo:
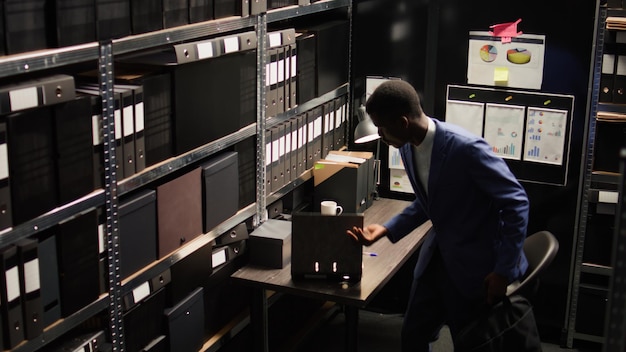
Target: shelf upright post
[(105, 66), (261, 32)]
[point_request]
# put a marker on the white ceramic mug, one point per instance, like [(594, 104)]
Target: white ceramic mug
[(330, 207)]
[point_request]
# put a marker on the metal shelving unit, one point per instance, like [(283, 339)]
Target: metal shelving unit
[(103, 53), (593, 183)]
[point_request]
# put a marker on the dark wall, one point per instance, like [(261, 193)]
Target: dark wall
[(433, 54)]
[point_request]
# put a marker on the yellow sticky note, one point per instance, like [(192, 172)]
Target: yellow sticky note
[(501, 74)]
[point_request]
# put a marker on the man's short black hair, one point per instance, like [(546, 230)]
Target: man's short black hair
[(393, 99)]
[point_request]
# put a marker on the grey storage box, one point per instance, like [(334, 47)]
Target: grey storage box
[(270, 244)]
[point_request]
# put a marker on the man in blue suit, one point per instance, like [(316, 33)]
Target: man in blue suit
[(478, 210)]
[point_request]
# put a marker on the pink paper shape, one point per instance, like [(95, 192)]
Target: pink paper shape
[(505, 30)]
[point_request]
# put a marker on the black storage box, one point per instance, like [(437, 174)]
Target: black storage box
[(220, 189), (185, 322), (270, 244), (137, 232), (144, 322)]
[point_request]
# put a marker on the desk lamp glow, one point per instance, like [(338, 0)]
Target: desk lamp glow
[(364, 132)]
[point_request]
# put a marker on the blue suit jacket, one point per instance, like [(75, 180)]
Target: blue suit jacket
[(478, 209)]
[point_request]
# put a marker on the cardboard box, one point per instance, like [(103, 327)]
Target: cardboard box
[(270, 244)]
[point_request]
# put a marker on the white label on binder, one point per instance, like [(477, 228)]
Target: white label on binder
[(293, 66), (326, 123), (101, 236), (275, 150), (294, 140), (288, 143), (31, 276), (219, 258), (607, 197), (231, 44), (205, 50), (318, 127), (281, 146), (117, 114), (129, 128), (23, 98), (139, 117), (276, 39), (337, 117), (268, 153), (4, 162), (273, 72), (281, 70), (142, 291), (12, 279), (96, 130), (300, 137), (310, 133)]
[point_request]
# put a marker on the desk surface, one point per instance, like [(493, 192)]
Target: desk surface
[(377, 271)]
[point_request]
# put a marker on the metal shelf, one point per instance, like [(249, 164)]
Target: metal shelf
[(296, 11), (52, 218), (64, 325)]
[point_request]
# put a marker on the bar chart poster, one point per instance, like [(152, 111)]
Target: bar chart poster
[(545, 135), (504, 128)]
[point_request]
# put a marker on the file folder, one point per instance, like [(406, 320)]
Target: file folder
[(277, 157), (179, 211), (137, 232), (77, 246), (175, 13), (75, 22), (112, 19), (97, 140), (138, 122), (200, 10), (220, 189), (292, 101), (10, 298), (146, 16), (75, 164), (185, 322), (28, 94), (25, 25), (340, 122), (280, 80), (6, 214), (30, 287), (103, 262), (49, 270), (32, 173)]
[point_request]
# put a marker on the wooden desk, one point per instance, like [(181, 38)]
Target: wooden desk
[(377, 271)]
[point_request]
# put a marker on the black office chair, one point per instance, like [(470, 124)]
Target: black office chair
[(540, 249)]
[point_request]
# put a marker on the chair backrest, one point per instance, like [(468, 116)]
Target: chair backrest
[(540, 249)]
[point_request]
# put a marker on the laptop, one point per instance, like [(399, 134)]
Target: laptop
[(321, 249)]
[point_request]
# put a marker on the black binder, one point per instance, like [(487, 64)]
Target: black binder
[(75, 22), (271, 100), (32, 173), (10, 298), (144, 322), (127, 111), (146, 16), (200, 10), (302, 143), (175, 13), (25, 25), (306, 85), (5, 189), (73, 131), (278, 157), (112, 19), (30, 286), (314, 130), (77, 246), (328, 127), (49, 270)]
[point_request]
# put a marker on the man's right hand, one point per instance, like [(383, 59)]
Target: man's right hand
[(368, 235)]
